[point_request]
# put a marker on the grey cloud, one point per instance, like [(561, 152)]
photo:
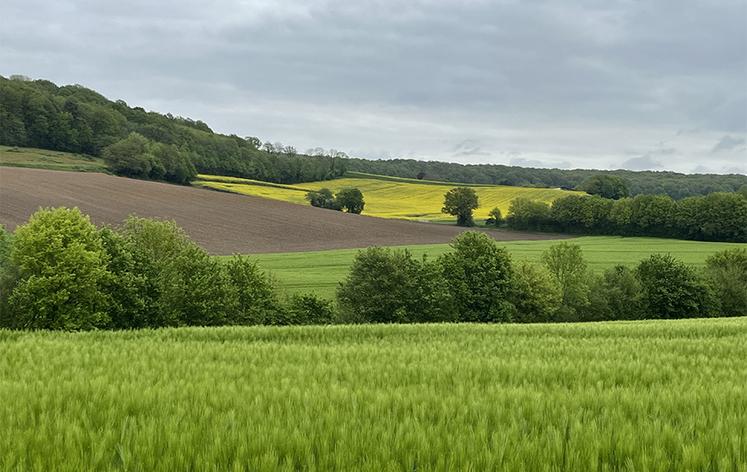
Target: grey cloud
[(727, 143), (642, 163)]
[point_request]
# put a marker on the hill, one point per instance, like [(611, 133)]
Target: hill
[(52, 160), (72, 118), (387, 197), (222, 223)]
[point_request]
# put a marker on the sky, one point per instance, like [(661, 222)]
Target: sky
[(658, 85)]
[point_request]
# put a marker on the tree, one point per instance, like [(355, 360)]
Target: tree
[(536, 294), (323, 198), (256, 301), (670, 289), (350, 199), (130, 156), (61, 273), (606, 186), (390, 286), (253, 142), (307, 309), (479, 276), (460, 202), (494, 218), (726, 273), (566, 262), (525, 213), (616, 295)]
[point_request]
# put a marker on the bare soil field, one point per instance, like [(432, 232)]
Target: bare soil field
[(222, 223)]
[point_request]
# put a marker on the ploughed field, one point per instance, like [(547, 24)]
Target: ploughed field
[(222, 223), (652, 395), (388, 197), (321, 271)]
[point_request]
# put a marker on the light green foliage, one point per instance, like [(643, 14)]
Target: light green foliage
[(478, 274), (566, 262), (61, 265), (644, 396), (726, 272), (536, 293), (390, 286), (671, 289), (460, 202)]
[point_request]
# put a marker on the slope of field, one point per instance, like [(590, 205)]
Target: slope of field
[(53, 160), (659, 395), (222, 223), (388, 197), (320, 272)]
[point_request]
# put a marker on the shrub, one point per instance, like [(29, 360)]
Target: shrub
[(62, 272), (566, 262), (308, 309), (616, 295), (495, 218), (478, 274), (670, 289), (726, 272), (350, 199), (390, 286), (536, 294), (460, 202), (323, 198)]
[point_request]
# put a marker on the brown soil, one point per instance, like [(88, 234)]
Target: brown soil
[(222, 223)]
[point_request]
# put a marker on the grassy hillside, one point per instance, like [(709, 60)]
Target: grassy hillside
[(387, 197), (321, 271), (660, 395), (53, 160)]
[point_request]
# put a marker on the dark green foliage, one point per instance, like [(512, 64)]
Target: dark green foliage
[(671, 289), (308, 309), (75, 119), (62, 271), (495, 218), (323, 198), (605, 186), (536, 294), (726, 273), (351, 200), (673, 184), (616, 295), (460, 202), (390, 286), (479, 277), (256, 301), (524, 213), (566, 262)]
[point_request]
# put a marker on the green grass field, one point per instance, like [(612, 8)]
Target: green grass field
[(643, 396), (386, 197), (321, 271), (52, 160)]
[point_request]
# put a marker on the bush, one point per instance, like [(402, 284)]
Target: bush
[(479, 276), (495, 218), (61, 265), (670, 289), (350, 199), (308, 309), (616, 295), (566, 262), (536, 294), (726, 273), (460, 202), (390, 286), (323, 198)]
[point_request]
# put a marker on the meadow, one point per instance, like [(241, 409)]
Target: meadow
[(51, 160), (387, 197), (652, 395), (321, 271)]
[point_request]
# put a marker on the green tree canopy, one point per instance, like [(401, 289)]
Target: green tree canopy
[(460, 202)]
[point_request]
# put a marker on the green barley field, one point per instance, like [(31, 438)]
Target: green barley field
[(632, 396), (320, 272)]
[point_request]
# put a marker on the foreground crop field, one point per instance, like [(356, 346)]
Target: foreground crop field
[(654, 396), (320, 271), (52, 160), (387, 197)]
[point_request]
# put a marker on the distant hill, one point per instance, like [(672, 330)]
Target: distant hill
[(72, 118)]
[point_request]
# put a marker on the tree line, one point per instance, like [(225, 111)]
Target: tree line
[(72, 118), (59, 271), (720, 216)]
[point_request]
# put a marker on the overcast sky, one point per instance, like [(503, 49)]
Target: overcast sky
[(576, 83)]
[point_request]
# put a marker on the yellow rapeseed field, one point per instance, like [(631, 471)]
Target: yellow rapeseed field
[(387, 197)]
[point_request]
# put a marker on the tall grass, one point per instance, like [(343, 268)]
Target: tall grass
[(656, 396)]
